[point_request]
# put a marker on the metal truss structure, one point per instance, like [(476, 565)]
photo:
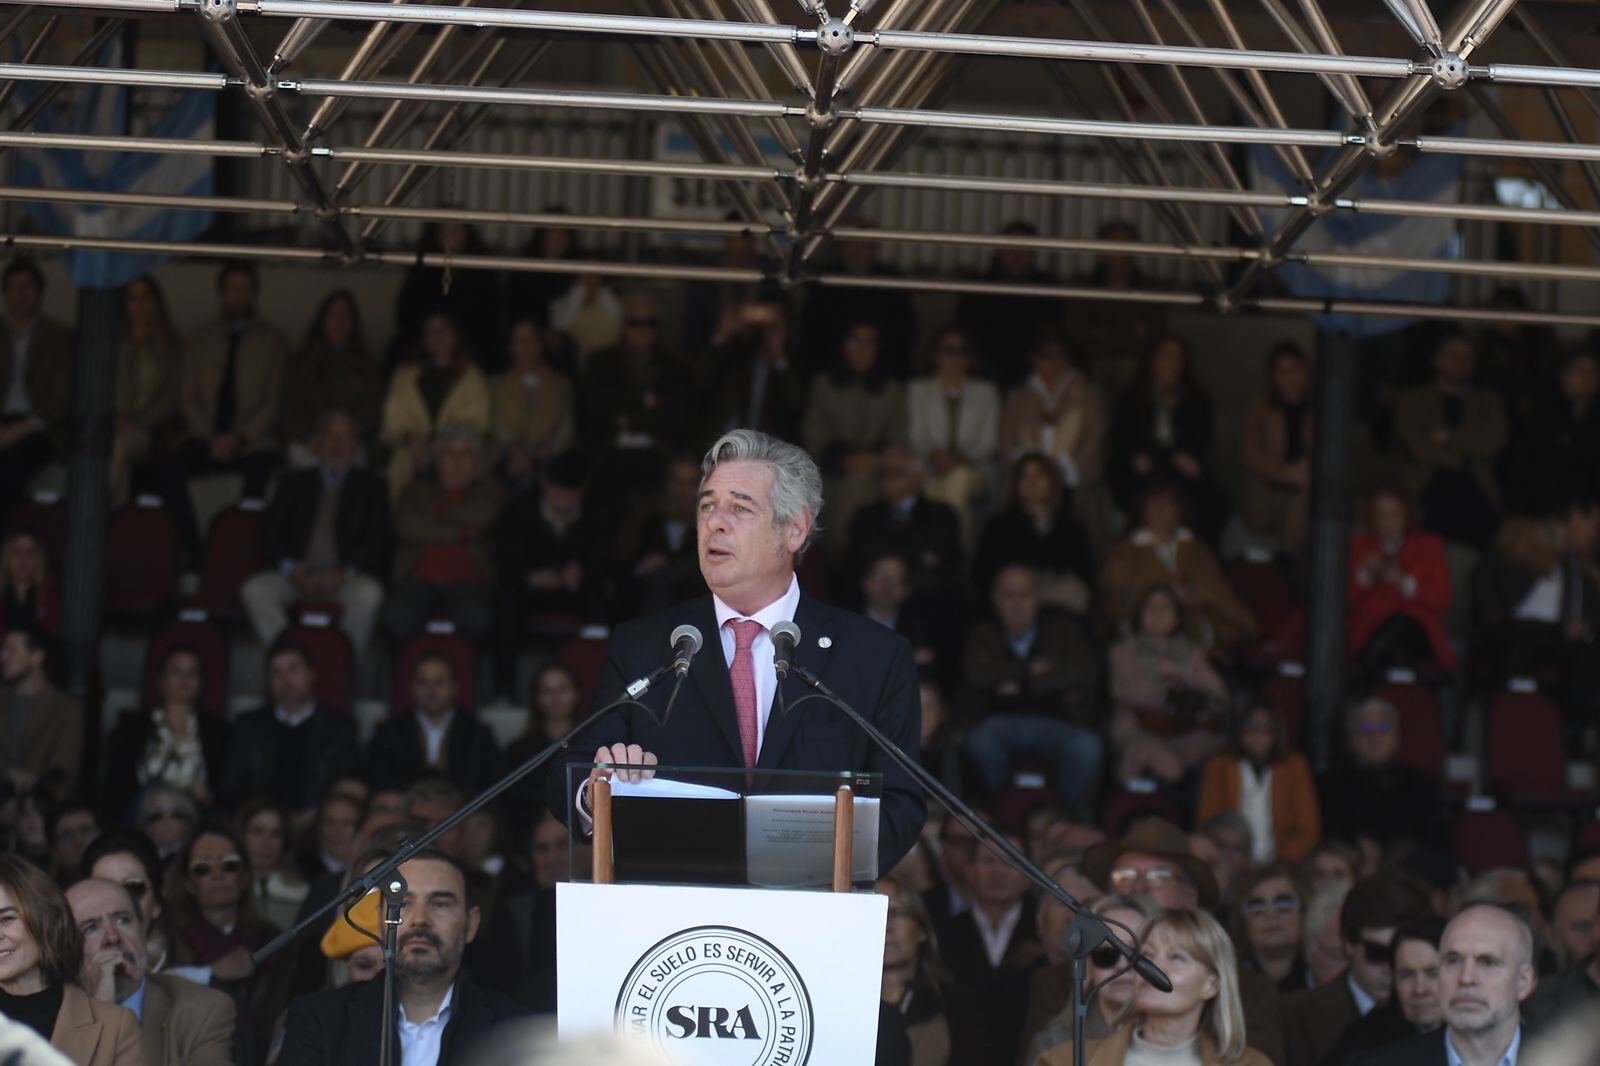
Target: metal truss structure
[(862, 84)]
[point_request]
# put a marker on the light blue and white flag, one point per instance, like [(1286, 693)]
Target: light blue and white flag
[(1434, 178), (102, 110)]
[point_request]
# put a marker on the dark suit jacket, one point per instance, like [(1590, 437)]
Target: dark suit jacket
[(1424, 1050), (928, 539), (866, 665), (186, 1024), (1314, 1020), (361, 527), (343, 1027), (258, 758), (49, 373), (1001, 990), (1066, 690), (783, 404), (396, 757)]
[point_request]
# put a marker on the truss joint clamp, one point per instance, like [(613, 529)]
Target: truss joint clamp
[(1450, 71), (821, 120), (835, 38), (219, 11)]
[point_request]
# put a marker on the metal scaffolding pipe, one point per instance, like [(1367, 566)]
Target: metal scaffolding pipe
[(1299, 166), (1554, 53), (1429, 311), (370, 56), (14, 23), (488, 160), (388, 90), (1072, 127), (91, 48), (1344, 87), (40, 39), (171, 79)]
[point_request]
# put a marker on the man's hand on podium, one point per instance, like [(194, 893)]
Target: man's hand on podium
[(620, 755)]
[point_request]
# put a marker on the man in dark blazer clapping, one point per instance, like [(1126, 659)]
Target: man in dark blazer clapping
[(758, 504)]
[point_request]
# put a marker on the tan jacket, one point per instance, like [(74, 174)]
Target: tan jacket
[(547, 424), (185, 1024), (148, 382), (1266, 438), (1216, 617), (1114, 1049), (91, 1033), (405, 414), (55, 739), (49, 373), (258, 382), (1418, 419), (1076, 424)]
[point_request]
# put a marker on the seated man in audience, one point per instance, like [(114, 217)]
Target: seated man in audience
[(291, 750), (993, 947), (36, 361), (887, 598), (1576, 926), (232, 383), (762, 385), (41, 727), (1033, 676), (552, 551), (326, 538), (437, 923), (925, 533), (659, 552), (182, 1023), (437, 739), (1373, 799), (1575, 991), (1315, 1021), (1414, 1006), (443, 559), (1485, 975), (1540, 596), (72, 828), (1451, 435), (1561, 439)]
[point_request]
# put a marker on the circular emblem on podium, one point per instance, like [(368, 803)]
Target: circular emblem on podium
[(718, 995)]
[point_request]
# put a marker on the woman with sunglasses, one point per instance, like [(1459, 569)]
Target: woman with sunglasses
[(1199, 1023), (1267, 925), (1113, 996), (41, 954), (1261, 778)]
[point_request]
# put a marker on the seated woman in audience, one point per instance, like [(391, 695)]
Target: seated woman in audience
[(954, 425), (149, 364), (442, 387), (1060, 412), (1277, 451), (534, 416), (943, 1025), (1162, 428), (1399, 589), (276, 888), (1261, 778), (173, 743), (1050, 989), (332, 370), (29, 593), (1267, 926), (855, 412), (1037, 528), (1171, 706), (39, 973), (1161, 550), (553, 711), (1199, 1023)]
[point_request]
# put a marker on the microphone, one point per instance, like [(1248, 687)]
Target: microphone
[(1151, 973), (785, 635), (686, 643)]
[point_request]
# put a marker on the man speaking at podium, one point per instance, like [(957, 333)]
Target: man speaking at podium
[(758, 505)]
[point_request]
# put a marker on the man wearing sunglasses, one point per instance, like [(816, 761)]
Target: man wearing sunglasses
[(1315, 1021), (1414, 1008), (182, 1023)]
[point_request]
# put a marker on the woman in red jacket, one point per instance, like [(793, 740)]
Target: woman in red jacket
[(1399, 589), (1268, 784)]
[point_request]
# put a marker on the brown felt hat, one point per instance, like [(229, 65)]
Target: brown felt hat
[(1152, 836)]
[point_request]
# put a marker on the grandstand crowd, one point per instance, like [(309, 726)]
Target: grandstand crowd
[(1109, 642)]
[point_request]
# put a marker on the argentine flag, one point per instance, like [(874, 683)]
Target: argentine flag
[(102, 110)]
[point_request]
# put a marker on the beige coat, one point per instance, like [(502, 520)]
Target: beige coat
[(1473, 447), (546, 425), (186, 1024), (91, 1033), (406, 419), (1217, 619), (55, 741), (258, 383)]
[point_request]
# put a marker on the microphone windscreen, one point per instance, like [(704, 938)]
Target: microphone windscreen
[(786, 629), (690, 632)]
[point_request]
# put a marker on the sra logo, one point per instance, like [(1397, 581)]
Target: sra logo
[(720, 996)]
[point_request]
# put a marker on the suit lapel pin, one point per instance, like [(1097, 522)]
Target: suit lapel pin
[(824, 643)]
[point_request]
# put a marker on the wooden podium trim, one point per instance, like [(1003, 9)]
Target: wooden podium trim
[(844, 828), (604, 870)]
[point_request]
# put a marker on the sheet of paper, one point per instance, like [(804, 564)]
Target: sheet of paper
[(789, 840), (666, 788)]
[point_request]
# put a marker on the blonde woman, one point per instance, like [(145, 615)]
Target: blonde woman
[(1199, 1023)]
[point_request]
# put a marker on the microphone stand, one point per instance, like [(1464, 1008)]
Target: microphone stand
[(1088, 929), (387, 874)]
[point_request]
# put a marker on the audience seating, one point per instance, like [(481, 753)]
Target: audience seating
[(1124, 806), (1286, 691), (1525, 752), (1486, 839), (587, 661), (1421, 734), (141, 559), (233, 553)]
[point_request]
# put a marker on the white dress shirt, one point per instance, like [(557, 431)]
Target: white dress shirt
[(420, 1041), (1453, 1057), (766, 677), (17, 402), (997, 937), (433, 735)]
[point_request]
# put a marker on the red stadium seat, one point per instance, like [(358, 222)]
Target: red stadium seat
[(1525, 752), (334, 660), (192, 630), (1421, 735), (1587, 840), (1124, 806), (141, 559), (46, 518), (453, 647), (1286, 692), (587, 660), (1266, 587), (1484, 840), (233, 553)]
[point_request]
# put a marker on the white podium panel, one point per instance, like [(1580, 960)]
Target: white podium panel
[(723, 976)]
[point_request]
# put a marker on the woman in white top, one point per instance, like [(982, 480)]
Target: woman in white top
[(954, 425)]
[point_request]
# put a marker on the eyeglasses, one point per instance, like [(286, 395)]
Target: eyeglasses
[(1377, 954), (1104, 957), (1374, 727), (1283, 903), (1130, 876), (643, 323), (136, 888), (230, 864)]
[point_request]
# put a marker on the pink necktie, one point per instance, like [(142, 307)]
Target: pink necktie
[(743, 676)]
